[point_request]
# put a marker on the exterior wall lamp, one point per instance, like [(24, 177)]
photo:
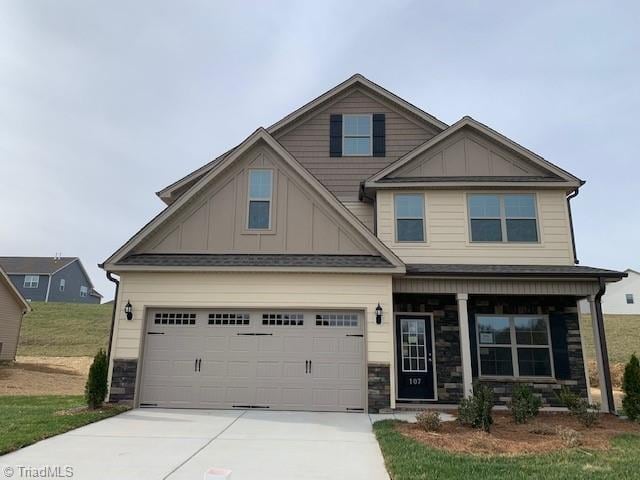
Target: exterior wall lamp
[(128, 310), (379, 314)]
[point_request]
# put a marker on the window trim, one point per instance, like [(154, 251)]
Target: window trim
[(629, 298), (503, 219), (86, 291), (250, 199), (514, 348), (62, 285), (424, 218), (30, 283), (370, 136)]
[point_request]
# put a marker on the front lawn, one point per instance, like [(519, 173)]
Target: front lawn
[(408, 459), (25, 420)]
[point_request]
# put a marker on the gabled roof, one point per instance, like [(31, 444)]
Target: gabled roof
[(4, 278), (557, 174), (260, 135), (353, 81), (35, 265)]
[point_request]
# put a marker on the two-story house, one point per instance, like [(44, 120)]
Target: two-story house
[(359, 254), (51, 279)]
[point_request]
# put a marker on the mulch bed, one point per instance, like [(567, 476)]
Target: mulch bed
[(507, 438)]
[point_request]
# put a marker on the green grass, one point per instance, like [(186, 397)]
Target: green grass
[(26, 420), (65, 329), (623, 336), (407, 459)]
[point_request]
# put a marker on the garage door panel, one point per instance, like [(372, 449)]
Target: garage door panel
[(242, 343), (269, 344), (297, 344), (216, 343), (239, 370), (328, 345)]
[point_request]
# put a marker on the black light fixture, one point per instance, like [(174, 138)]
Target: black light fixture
[(379, 314), (128, 310)]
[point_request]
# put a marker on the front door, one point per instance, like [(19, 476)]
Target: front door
[(415, 357)]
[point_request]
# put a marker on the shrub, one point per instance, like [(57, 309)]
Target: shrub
[(524, 404), (476, 410), (95, 391), (429, 421), (580, 408), (570, 438)]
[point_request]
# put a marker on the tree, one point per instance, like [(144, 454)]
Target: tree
[(631, 388), (95, 391)]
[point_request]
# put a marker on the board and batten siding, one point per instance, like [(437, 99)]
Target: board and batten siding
[(308, 142), (448, 239), (10, 320), (254, 290)]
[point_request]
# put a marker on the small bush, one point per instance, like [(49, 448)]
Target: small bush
[(524, 404), (543, 430), (586, 413), (631, 388), (570, 437), (475, 411), (429, 421), (95, 391)]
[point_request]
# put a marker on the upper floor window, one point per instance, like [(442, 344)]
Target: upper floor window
[(503, 217), (260, 193), (629, 298), (31, 281), (63, 283), (514, 346), (409, 217), (83, 291), (357, 133)]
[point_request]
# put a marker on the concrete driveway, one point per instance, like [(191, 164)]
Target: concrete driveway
[(182, 444)]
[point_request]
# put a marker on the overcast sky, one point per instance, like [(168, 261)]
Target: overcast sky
[(104, 103)]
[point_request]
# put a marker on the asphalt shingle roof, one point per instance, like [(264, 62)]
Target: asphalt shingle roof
[(512, 270), (42, 265), (254, 260)]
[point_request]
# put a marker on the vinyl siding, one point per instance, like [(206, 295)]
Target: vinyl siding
[(364, 212), (448, 233), (308, 142), (255, 290), (10, 320)]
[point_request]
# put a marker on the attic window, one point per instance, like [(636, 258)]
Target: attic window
[(260, 192), (357, 134)]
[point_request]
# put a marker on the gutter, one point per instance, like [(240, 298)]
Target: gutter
[(603, 345), (573, 194), (113, 313)]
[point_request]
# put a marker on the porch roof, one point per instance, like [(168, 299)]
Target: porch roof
[(537, 271)]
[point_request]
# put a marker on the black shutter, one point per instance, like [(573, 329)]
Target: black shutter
[(379, 144), (474, 344), (335, 136), (558, 326)]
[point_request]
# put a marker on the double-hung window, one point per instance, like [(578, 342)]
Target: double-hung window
[(260, 194), (357, 133), (31, 281), (503, 217), (514, 345), (629, 298), (63, 283), (83, 291), (409, 217)]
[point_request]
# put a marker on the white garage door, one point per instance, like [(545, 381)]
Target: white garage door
[(276, 359)]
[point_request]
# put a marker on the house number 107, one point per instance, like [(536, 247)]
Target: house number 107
[(415, 381)]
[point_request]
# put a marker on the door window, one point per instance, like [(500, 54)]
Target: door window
[(413, 344)]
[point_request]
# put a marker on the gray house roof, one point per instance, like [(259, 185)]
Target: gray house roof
[(253, 260), (567, 271), (35, 265)]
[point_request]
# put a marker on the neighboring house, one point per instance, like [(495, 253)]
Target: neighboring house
[(622, 298), (359, 254), (51, 279), (13, 306)]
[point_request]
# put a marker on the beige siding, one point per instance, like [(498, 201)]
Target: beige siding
[(255, 290), (364, 212), (215, 221), (308, 142), (10, 319), (468, 154), (448, 233)]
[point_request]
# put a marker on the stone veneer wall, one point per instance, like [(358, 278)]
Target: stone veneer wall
[(566, 306), (123, 380), (379, 386), (447, 339)]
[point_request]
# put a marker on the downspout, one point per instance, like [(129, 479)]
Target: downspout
[(363, 197), (603, 345), (46, 298), (113, 313), (573, 194)]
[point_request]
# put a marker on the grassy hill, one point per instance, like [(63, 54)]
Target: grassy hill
[(65, 329), (623, 336)]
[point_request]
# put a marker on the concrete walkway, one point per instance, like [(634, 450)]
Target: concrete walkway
[(182, 444)]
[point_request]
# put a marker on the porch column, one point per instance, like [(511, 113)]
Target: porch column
[(600, 359), (465, 344)]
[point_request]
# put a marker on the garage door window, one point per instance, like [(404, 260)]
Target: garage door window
[(229, 318), (174, 318), (283, 319), (337, 320)]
